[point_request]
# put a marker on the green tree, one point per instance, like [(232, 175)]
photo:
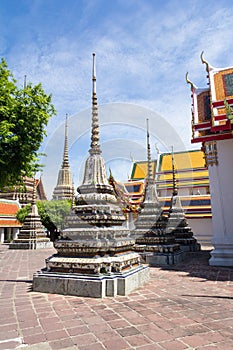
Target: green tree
[(53, 214), (54, 211), (24, 114)]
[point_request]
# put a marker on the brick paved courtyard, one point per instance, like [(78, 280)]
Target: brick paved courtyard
[(187, 307)]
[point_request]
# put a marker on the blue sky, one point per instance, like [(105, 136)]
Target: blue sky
[(143, 50)]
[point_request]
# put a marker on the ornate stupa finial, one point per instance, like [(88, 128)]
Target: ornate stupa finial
[(174, 186), (65, 154), (149, 164), (34, 192), (95, 145)]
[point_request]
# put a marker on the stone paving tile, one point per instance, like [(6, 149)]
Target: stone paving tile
[(188, 306), (173, 345), (137, 340)]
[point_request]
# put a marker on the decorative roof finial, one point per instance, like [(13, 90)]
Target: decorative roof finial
[(65, 155), (149, 164), (205, 62), (95, 146), (174, 186), (193, 87)]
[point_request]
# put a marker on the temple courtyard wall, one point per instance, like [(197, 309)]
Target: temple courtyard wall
[(202, 230), (187, 306)]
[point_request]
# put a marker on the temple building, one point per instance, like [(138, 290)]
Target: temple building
[(9, 225), (24, 193), (95, 256), (64, 188), (212, 126)]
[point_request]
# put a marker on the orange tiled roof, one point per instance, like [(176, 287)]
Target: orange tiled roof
[(8, 208), (10, 223)]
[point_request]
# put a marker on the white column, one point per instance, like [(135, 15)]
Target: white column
[(2, 235), (15, 232), (221, 189), (8, 234)]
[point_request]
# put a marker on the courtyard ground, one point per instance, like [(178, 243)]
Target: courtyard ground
[(189, 306)]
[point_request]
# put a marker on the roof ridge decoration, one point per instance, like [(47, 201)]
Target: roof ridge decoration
[(95, 144)]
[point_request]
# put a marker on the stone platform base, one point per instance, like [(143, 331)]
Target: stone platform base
[(196, 247), (162, 259), (30, 244), (222, 255), (98, 286)]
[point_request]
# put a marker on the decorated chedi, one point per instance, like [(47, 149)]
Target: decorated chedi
[(32, 234), (64, 187), (155, 244), (177, 223), (95, 256)]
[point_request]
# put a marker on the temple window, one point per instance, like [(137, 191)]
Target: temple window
[(211, 153), (207, 109), (228, 84)]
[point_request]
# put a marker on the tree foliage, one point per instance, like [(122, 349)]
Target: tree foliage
[(24, 113), (53, 213)]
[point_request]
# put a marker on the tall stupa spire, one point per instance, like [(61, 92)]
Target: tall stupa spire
[(65, 154), (64, 187), (151, 239), (151, 193), (95, 145), (95, 256), (149, 163), (174, 186)]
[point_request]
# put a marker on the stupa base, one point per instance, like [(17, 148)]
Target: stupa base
[(94, 286), (162, 259), (195, 247), (31, 244)]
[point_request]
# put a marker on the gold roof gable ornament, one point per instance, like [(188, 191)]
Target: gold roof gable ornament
[(188, 81)]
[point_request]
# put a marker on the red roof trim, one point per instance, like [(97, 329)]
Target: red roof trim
[(212, 137)]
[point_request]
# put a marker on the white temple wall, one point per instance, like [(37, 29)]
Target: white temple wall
[(221, 189), (202, 230)]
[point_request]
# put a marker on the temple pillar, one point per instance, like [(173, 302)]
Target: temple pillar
[(8, 234), (221, 186), (2, 235), (15, 232)]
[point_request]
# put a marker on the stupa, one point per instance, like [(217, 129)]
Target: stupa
[(95, 256), (156, 246), (64, 187), (177, 223), (32, 234)]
